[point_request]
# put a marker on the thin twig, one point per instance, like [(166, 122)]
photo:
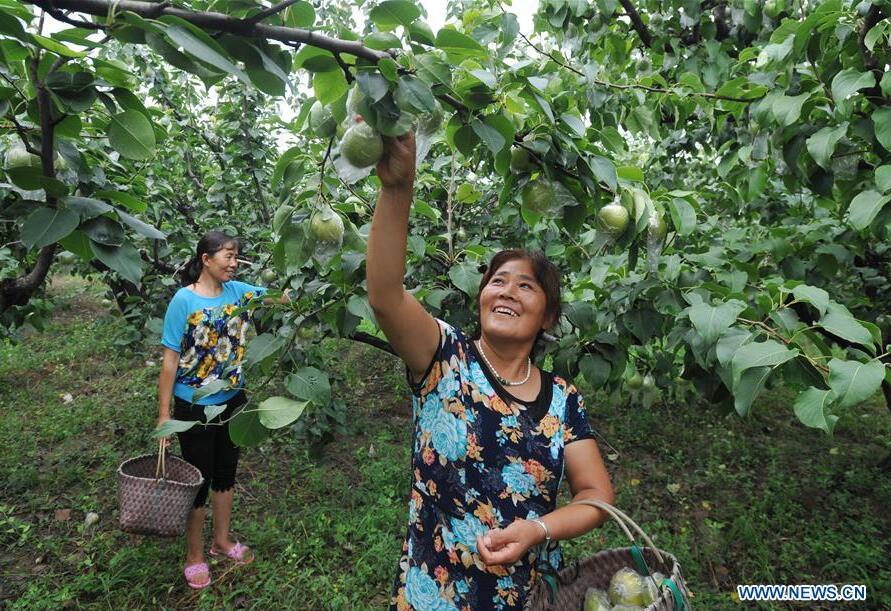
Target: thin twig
[(272, 10)]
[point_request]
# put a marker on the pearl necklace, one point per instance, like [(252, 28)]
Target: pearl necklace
[(504, 382)]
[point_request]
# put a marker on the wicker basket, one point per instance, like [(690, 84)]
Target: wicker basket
[(565, 591), (156, 493)]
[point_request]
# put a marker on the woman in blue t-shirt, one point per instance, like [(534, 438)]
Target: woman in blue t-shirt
[(204, 344), (493, 434)]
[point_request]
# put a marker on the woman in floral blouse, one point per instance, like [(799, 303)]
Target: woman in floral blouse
[(205, 331), (493, 436)]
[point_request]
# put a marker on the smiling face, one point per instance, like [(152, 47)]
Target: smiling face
[(221, 266), (513, 305)]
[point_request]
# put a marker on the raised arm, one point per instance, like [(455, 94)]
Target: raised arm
[(410, 329)]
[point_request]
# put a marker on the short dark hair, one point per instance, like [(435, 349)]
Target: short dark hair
[(546, 274), (210, 243)]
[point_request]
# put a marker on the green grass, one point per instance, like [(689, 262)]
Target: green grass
[(762, 500)]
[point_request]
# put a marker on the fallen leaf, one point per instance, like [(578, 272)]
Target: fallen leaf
[(635, 482), (63, 515)]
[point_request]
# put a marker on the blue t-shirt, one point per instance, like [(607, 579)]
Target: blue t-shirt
[(209, 339)]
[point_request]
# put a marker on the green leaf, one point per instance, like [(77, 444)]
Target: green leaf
[(212, 411), (382, 41), (883, 178), (416, 94), (575, 124), (86, 207), (211, 388), (46, 226), (459, 45), (812, 406), (310, 384), (849, 81), (209, 52), (729, 342), (768, 353), (711, 321), (865, 207), (748, 386), (853, 381), (839, 322), (123, 259), (103, 230), (279, 412), (604, 170), (56, 47), (491, 136), (683, 216), (596, 369), (392, 13), (245, 429), (140, 227), (822, 144), (26, 177), (301, 14), (130, 133), (813, 295), (329, 86), (466, 277), (881, 119), (787, 109), (262, 347), (315, 60), (171, 427), (124, 199)]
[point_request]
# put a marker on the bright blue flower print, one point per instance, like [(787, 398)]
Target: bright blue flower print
[(422, 592), (479, 378), (516, 478), (464, 532)]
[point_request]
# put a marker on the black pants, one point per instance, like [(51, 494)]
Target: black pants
[(209, 448)]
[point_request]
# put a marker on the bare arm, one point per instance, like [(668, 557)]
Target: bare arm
[(166, 379), (588, 479), (409, 328)]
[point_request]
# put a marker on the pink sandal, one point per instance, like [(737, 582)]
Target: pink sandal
[(193, 571), (237, 553)]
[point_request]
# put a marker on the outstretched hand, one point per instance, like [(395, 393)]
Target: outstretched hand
[(506, 546), (396, 168)]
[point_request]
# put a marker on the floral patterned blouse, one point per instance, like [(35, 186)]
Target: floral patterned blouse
[(481, 459), (209, 338)]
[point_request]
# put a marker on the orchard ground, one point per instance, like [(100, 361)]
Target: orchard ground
[(761, 500)]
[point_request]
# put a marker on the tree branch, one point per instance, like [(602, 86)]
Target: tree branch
[(645, 36), (63, 17), (371, 340), (216, 21), (18, 291)]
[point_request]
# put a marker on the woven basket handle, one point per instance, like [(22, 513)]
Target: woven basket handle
[(624, 521), (161, 468)]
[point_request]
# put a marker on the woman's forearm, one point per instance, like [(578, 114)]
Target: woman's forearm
[(385, 258), (571, 521), (165, 389)]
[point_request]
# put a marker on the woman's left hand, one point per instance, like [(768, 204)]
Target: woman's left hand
[(506, 546)]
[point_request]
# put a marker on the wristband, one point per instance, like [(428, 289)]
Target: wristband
[(544, 527)]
